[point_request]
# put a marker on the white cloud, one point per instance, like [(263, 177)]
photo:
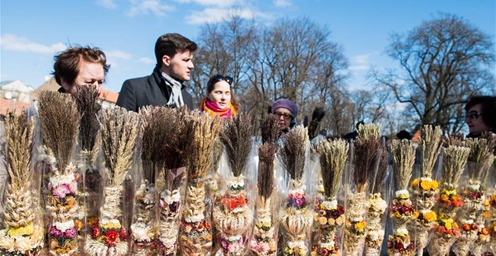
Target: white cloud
[(118, 54), (219, 3), (282, 3), (145, 7), (109, 4), (9, 42), (147, 60), (213, 15), (360, 62)]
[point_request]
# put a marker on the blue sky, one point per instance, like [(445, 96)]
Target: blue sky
[(126, 30)]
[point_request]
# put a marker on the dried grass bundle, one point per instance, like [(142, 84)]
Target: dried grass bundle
[(403, 153), (205, 131), (179, 136), (430, 147), (332, 160), (367, 156), (59, 120), (19, 135), (454, 160), (119, 133), (294, 153), (270, 129), (236, 138), (481, 156), (155, 122), (266, 155), (86, 99)]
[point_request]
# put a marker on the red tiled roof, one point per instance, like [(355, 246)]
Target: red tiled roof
[(6, 104)]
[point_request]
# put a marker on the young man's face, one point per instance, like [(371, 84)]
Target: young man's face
[(179, 67), (89, 74)]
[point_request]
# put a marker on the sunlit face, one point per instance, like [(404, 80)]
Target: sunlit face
[(221, 94), (284, 118), (89, 74), (474, 120), (179, 67)]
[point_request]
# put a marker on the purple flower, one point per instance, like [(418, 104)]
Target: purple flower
[(61, 191), (70, 233), (55, 232)]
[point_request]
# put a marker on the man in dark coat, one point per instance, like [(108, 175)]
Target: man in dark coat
[(166, 85)]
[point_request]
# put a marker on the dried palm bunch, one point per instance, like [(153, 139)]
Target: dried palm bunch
[(270, 129), (294, 153), (86, 99), (60, 121), (266, 155), (481, 156), (205, 131), (403, 153), (119, 133), (236, 138), (332, 160), (179, 131), (430, 147), (367, 155), (454, 161)]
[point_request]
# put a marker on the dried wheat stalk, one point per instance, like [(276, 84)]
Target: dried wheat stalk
[(454, 161), (403, 153), (119, 130), (332, 160), (481, 155), (294, 153), (430, 147), (236, 138), (59, 125)]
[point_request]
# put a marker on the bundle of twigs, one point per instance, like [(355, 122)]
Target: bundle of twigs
[(195, 228), (87, 104), (120, 134), (264, 240), (23, 233), (60, 121), (330, 214), (232, 215)]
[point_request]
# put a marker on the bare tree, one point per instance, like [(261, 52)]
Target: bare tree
[(443, 61)]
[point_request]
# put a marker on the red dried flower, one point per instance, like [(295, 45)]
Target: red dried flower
[(111, 237)]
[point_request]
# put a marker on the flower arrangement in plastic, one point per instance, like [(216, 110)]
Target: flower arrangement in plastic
[(447, 230), (195, 225), (401, 210), (329, 214), (23, 233), (60, 122), (473, 192), (296, 215), (233, 204), (265, 231), (119, 131)]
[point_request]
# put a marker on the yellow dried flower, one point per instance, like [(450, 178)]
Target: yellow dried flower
[(21, 231)]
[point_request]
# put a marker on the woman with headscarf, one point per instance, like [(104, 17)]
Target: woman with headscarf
[(220, 99)]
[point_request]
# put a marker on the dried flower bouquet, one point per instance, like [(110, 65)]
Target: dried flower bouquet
[(447, 229), (23, 233), (401, 210), (296, 217), (60, 121), (195, 226), (424, 187), (233, 204), (119, 133), (329, 214)]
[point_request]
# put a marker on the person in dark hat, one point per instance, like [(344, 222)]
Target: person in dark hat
[(286, 111), (404, 134)]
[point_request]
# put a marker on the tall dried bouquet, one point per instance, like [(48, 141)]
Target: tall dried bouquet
[(119, 133), (265, 230), (60, 122), (23, 233), (195, 227), (364, 159), (474, 191), (89, 183), (447, 229), (171, 181), (296, 217), (424, 187), (233, 205), (401, 210), (329, 214)]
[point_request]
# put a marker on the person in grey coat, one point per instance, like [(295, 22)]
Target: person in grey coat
[(166, 85)]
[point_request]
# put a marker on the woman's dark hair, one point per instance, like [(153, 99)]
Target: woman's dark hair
[(67, 66), (217, 78), (170, 44), (488, 108)]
